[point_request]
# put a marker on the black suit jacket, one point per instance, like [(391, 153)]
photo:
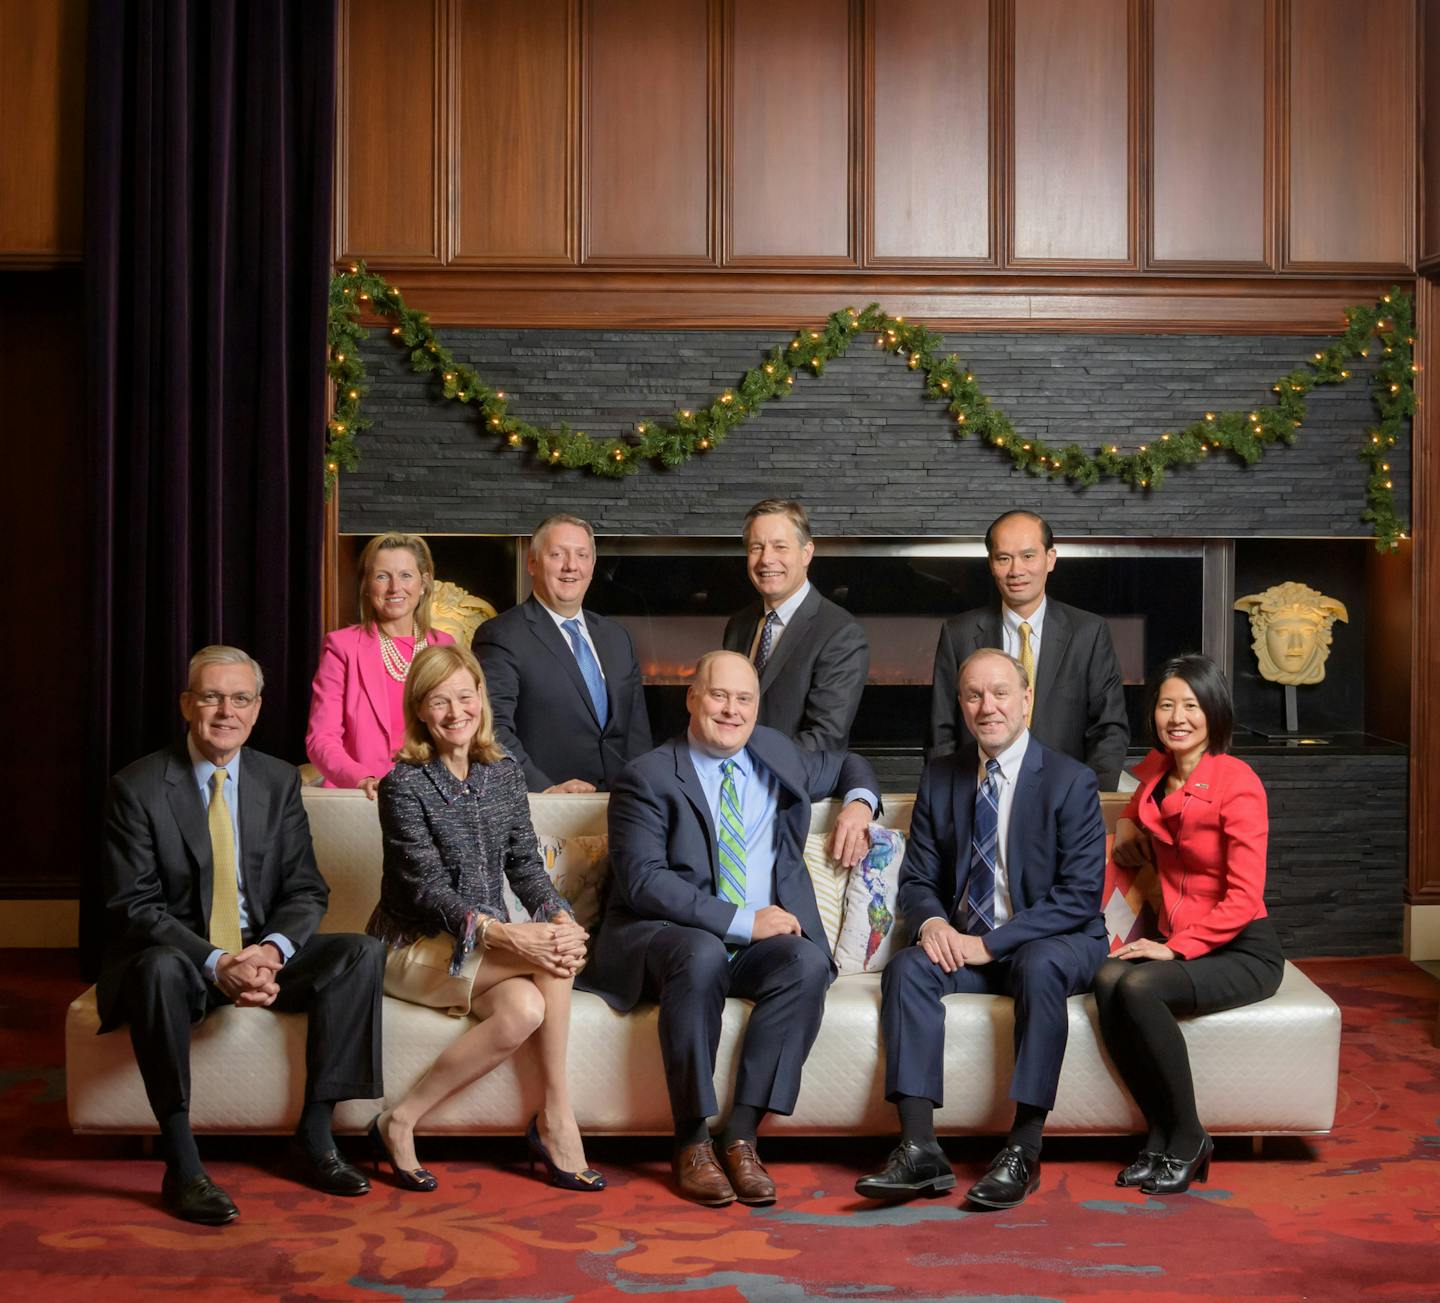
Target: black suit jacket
[(664, 855), (543, 713), (1055, 848), (811, 687), (1079, 700), (157, 865)]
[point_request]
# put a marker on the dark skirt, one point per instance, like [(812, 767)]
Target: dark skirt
[(1242, 971)]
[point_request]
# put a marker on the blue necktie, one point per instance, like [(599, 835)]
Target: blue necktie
[(767, 640), (984, 841), (589, 670)]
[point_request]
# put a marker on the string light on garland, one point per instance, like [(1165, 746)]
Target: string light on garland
[(1246, 435)]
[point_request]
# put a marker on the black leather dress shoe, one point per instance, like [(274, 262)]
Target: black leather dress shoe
[(197, 1200), (328, 1172), (1145, 1166), (1010, 1179), (911, 1169)]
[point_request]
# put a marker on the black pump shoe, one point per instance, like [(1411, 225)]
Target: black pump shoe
[(415, 1178), (1145, 1168), (589, 1179), (1174, 1175)]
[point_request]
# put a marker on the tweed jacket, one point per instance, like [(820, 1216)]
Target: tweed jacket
[(450, 844)]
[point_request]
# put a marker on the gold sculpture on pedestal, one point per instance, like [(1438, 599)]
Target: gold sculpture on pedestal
[(1291, 627)]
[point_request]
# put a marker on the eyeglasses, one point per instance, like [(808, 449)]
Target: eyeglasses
[(237, 700)]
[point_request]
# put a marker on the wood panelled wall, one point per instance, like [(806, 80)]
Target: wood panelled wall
[(537, 147), (42, 126)]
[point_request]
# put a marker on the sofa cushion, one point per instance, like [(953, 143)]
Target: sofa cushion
[(829, 878), (871, 930)]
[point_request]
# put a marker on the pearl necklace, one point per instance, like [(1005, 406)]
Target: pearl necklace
[(396, 666)]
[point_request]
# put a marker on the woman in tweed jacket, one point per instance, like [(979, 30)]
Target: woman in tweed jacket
[(456, 817)]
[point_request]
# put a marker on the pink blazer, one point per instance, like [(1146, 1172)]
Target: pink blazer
[(349, 736)]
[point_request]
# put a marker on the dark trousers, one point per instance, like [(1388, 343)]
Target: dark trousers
[(1038, 976), (690, 973), (334, 978)]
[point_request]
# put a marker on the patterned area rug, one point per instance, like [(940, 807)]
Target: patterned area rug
[(1353, 1216)]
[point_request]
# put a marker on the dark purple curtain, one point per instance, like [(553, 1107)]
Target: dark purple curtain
[(210, 143)]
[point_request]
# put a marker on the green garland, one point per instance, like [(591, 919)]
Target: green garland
[(672, 443)]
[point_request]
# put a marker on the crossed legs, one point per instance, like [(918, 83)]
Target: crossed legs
[(514, 1001)]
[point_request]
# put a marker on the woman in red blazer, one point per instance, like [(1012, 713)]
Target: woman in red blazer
[(357, 711), (1199, 815)]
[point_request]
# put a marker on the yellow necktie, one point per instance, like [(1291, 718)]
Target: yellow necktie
[(224, 887), (1027, 659)]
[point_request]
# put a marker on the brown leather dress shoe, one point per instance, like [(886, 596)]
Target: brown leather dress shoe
[(748, 1177), (698, 1176)]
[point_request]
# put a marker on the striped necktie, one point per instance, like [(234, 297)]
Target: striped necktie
[(224, 886), (984, 842), (730, 828)]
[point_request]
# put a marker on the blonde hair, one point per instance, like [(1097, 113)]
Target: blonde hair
[(537, 539), (427, 672), (793, 511), (420, 550)]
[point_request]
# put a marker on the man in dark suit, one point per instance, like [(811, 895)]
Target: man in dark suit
[(710, 897), (1001, 888), (811, 655), (1079, 701), (212, 898), (563, 682)]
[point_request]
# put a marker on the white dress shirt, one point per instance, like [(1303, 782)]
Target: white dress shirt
[(1010, 622), (785, 612)]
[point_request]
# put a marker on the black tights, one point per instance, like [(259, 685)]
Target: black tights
[(1139, 1002)]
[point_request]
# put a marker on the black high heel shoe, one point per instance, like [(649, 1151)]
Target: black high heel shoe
[(1173, 1176), (1145, 1168), (413, 1179), (589, 1179)]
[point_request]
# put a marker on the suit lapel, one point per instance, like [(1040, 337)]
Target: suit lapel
[(695, 793), (372, 678), (988, 633), (1026, 798), (255, 818), (183, 797), (794, 631), (1054, 638), (962, 813), (554, 641)]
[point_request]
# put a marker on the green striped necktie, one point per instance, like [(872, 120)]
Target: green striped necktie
[(731, 830)]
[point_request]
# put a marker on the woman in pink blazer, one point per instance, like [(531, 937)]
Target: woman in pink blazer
[(357, 701), (1199, 815)]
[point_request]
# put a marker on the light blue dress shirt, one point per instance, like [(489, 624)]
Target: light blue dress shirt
[(758, 790), (204, 770)]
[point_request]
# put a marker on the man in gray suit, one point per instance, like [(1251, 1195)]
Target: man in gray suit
[(563, 682), (213, 897), (1079, 703), (812, 656)]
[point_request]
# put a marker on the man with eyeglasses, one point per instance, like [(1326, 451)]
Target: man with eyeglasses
[(213, 897)]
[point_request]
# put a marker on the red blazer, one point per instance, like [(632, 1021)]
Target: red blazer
[(349, 736), (1212, 870)]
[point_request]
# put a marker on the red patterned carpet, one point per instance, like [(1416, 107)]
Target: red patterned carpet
[(1354, 1216)]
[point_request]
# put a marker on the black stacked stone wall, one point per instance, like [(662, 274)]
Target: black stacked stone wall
[(868, 453)]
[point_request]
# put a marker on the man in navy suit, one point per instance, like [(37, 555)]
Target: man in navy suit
[(1001, 887), (1078, 702), (812, 656), (563, 682), (709, 898)]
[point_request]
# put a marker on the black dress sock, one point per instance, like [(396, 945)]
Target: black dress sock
[(690, 1131), (177, 1145), (743, 1124), (314, 1133), (917, 1120), (1027, 1129)]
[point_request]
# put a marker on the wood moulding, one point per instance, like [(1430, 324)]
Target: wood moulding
[(666, 300)]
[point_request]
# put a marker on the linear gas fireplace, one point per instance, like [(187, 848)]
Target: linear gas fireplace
[(675, 594)]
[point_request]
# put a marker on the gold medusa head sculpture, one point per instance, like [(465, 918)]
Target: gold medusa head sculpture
[(1291, 624)]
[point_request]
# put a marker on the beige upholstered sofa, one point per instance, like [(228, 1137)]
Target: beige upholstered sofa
[(1269, 1068)]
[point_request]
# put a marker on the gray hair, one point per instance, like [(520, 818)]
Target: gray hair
[(219, 654), (993, 651), (537, 539)]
